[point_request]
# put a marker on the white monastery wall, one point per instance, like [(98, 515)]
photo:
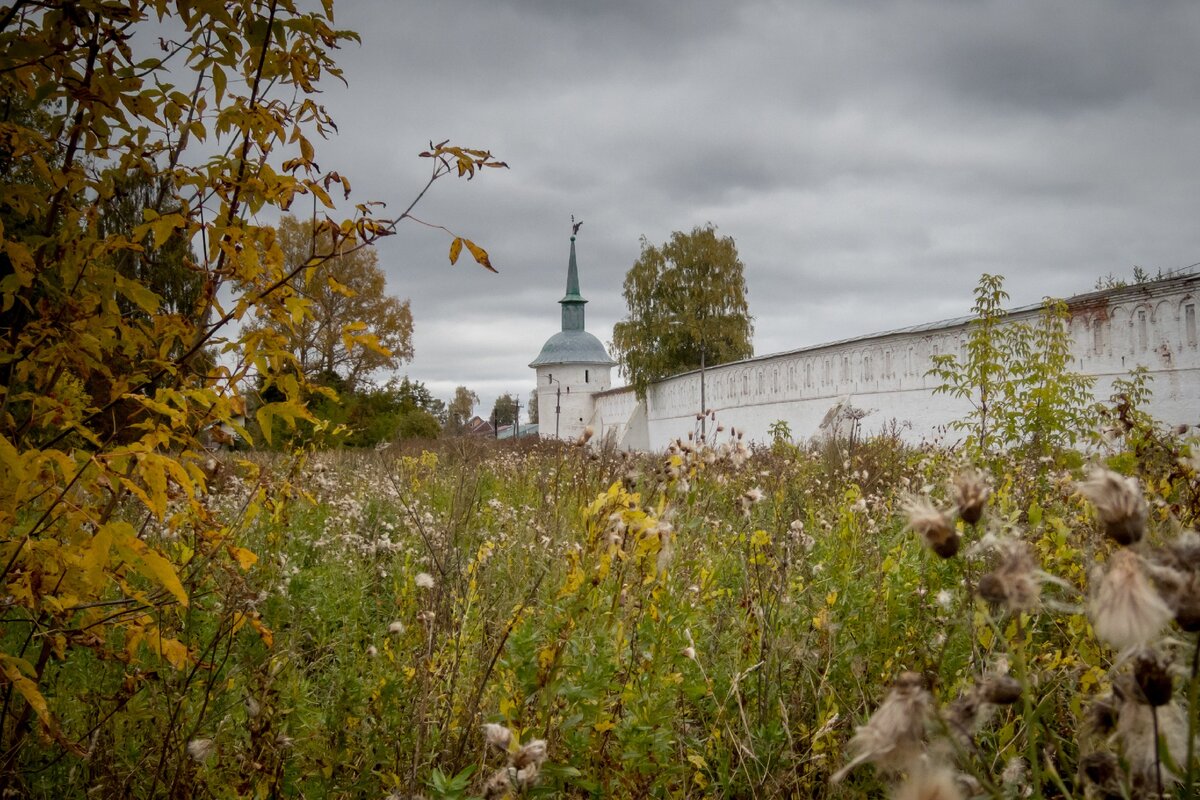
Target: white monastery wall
[(1113, 331)]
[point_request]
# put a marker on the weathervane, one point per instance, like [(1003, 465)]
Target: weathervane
[(575, 226)]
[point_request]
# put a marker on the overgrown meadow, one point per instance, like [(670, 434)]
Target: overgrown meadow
[(474, 619)]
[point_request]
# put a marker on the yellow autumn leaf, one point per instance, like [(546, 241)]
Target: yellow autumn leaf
[(15, 669), (245, 558), (146, 561), (455, 249), (95, 559), (480, 255), (174, 651)]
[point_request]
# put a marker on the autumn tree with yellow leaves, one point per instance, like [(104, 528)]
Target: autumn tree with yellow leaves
[(106, 384)]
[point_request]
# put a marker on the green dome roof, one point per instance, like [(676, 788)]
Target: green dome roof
[(573, 347)]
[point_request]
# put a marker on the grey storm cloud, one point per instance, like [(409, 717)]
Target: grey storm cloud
[(870, 158)]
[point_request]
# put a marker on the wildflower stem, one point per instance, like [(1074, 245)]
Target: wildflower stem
[(1157, 748), (1030, 717), (1193, 699)]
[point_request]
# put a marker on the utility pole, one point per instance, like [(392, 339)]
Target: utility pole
[(517, 421), (557, 404)]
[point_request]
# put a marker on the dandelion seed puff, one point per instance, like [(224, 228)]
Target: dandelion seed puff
[(689, 652), (497, 736), (929, 783), (1125, 609), (945, 599), (423, 580), (894, 736), (372, 651), (1119, 504), (932, 525), (754, 495), (200, 750)]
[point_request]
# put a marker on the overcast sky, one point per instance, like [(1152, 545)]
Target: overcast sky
[(869, 158)]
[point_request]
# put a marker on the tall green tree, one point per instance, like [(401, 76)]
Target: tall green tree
[(351, 327), (460, 409), (533, 407), (504, 410), (686, 304)]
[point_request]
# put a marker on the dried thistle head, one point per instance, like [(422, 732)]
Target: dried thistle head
[(929, 783), (1140, 742), (933, 526), (1101, 772), (894, 737), (970, 491), (1152, 674), (498, 785), (1119, 504), (1014, 583), (1000, 690), (1102, 715), (1185, 602), (1125, 609), (497, 736), (531, 754)]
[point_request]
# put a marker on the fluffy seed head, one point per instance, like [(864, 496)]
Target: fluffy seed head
[(970, 492), (929, 783), (933, 526), (1119, 504), (1001, 690), (1013, 583), (423, 580), (497, 736), (894, 737), (498, 785), (1135, 735), (201, 749), (1099, 769), (531, 754), (1152, 673), (396, 627), (1125, 609)]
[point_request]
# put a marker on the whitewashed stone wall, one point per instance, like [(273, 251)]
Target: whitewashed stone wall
[(578, 383), (1152, 325)]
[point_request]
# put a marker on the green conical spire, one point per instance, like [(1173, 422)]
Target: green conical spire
[(572, 302)]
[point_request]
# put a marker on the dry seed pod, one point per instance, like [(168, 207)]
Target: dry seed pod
[(1102, 715), (1186, 604), (933, 526), (1153, 676), (970, 492), (1119, 504), (1100, 769), (1001, 690)]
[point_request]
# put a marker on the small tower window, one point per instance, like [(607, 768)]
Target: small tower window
[(549, 377), (1189, 323), (585, 376)]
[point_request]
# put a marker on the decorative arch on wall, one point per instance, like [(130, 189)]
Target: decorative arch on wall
[(1187, 323)]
